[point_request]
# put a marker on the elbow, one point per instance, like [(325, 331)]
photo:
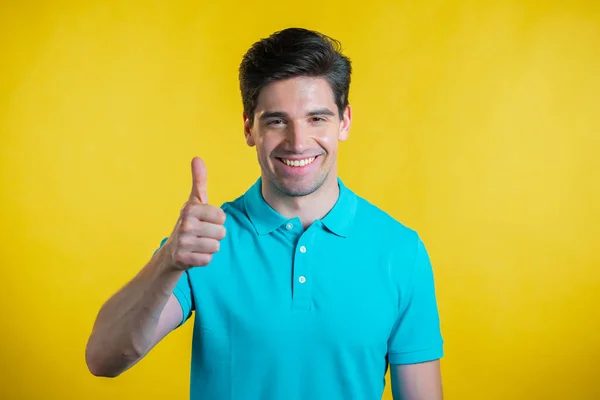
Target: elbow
[(98, 368), (102, 362), (98, 371), (98, 365)]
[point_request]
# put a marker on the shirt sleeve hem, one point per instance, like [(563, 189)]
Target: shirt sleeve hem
[(419, 356), (184, 303)]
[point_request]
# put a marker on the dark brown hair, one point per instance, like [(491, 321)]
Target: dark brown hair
[(290, 53)]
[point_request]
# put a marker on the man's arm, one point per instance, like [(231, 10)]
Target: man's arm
[(416, 344), (145, 310), (420, 381), (134, 320)]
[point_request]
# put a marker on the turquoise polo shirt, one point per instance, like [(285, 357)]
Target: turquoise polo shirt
[(283, 313)]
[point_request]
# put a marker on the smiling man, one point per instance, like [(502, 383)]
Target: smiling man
[(301, 288)]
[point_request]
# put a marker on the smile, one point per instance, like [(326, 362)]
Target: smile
[(298, 163)]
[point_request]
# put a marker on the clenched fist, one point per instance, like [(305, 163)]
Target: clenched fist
[(199, 229)]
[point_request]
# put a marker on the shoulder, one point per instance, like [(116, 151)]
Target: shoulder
[(235, 211), (233, 206), (397, 246), (388, 231)]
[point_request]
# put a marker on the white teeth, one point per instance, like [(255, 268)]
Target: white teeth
[(298, 163)]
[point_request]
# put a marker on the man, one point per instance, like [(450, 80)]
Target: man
[(301, 289)]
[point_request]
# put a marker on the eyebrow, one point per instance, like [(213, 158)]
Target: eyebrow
[(281, 114)]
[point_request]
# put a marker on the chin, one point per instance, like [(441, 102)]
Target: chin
[(298, 188), (298, 191)]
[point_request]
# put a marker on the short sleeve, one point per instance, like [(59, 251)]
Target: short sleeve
[(416, 336), (182, 292)]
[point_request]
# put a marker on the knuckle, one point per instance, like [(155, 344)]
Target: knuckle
[(181, 259), (186, 241), (187, 224), (212, 213), (185, 210)]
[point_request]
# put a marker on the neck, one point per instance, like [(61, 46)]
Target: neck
[(307, 208)]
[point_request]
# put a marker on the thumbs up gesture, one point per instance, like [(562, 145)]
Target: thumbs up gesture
[(199, 229)]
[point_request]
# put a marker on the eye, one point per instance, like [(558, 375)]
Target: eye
[(275, 122), (318, 119)]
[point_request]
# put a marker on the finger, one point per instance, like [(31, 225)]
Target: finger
[(194, 227), (195, 259), (203, 212), (199, 181), (194, 244)]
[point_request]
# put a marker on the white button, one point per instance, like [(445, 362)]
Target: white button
[(302, 279), (289, 226), (302, 249)]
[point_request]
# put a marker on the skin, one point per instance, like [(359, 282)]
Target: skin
[(133, 320), (298, 119), (422, 381), (294, 119)]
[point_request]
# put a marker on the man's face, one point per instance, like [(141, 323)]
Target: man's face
[(296, 130)]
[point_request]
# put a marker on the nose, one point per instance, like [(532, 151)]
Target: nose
[(297, 137)]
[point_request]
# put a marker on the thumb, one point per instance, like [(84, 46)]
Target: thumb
[(199, 191)]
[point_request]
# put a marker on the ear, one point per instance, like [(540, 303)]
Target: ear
[(345, 124), (248, 131)]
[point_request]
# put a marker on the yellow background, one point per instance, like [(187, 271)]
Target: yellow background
[(476, 123)]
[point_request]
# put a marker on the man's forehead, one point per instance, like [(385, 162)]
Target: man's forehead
[(297, 93)]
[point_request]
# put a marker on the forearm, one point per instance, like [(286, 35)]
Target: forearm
[(421, 381), (125, 328)]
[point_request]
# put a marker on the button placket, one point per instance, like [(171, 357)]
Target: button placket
[(302, 281)]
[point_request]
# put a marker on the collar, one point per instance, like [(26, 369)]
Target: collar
[(265, 219)]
